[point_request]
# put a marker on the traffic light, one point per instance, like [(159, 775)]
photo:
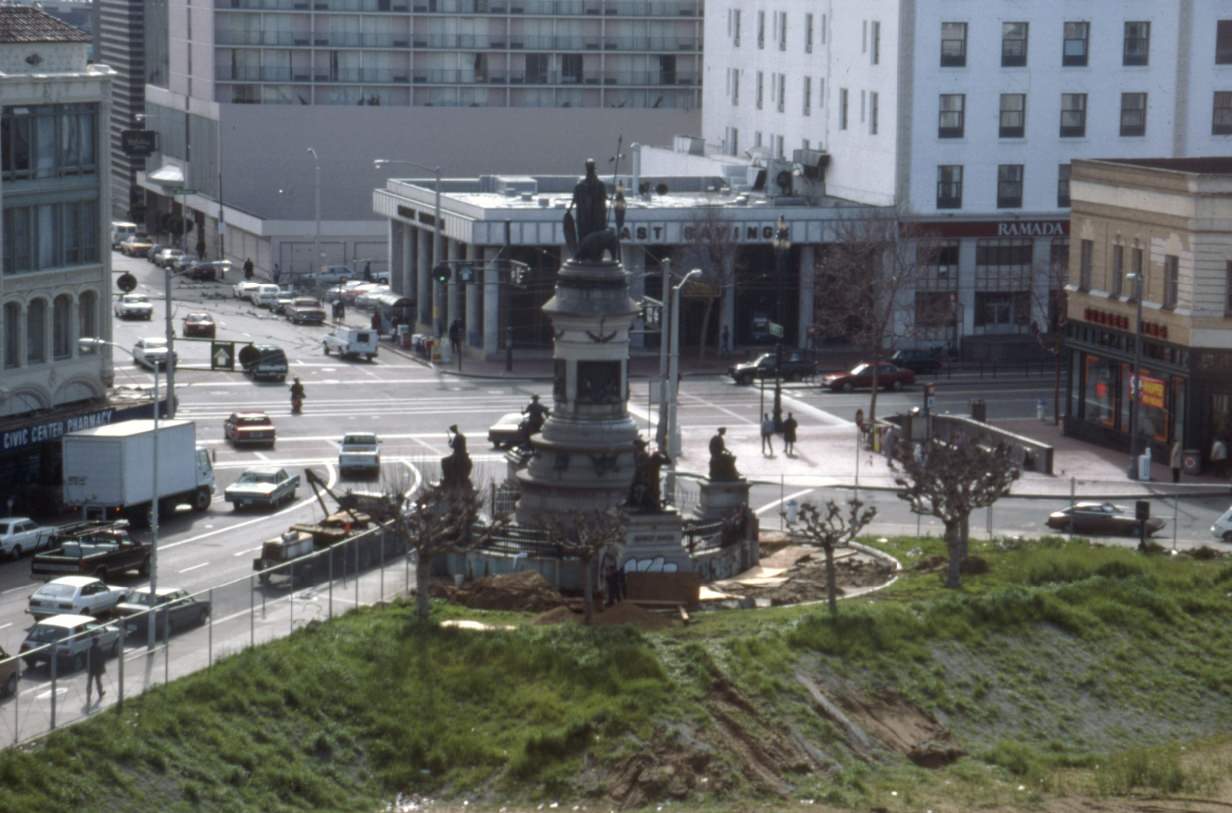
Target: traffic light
[(442, 273), (517, 273)]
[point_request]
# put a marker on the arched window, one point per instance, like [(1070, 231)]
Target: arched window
[(12, 335), (36, 332), (61, 327), (87, 315)]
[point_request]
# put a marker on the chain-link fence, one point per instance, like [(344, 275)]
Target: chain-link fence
[(68, 670)]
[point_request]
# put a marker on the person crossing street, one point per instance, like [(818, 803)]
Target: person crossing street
[(767, 434)]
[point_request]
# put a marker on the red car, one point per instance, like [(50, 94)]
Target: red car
[(889, 377), (199, 323), (249, 429)]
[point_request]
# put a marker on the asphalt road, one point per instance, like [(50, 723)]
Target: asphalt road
[(411, 407)]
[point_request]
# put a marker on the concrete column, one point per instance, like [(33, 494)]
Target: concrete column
[(727, 310), (966, 286), (491, 303), (395, 265), (807, 280), (471, 294), (423, 279), (635, 264), (454, 291)]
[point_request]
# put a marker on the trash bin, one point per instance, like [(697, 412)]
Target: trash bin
[(979, 410), (404, 337), (1144, 465), (1039, 410), (1191, 462)]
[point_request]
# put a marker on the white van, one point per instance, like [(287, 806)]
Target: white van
[(264, 295), (1222, 529), (352, 341), (121, 231)]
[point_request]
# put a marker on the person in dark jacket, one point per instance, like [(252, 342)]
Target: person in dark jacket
[(97, 668), (248, 268), (789, 435)]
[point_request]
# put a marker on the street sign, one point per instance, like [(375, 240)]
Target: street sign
[(222, 356), (138, 143), (776, 330), (126, 282)]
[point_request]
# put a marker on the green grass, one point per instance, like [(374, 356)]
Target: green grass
[(1064, 660)]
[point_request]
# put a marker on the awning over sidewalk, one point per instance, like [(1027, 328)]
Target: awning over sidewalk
[(167, 175)]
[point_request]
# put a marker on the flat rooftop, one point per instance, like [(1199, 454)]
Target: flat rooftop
[(1216, 165)]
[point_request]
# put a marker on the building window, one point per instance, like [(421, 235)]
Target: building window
[(48, 141), (821, 91), (1133, 114), (1085, 263), (1139, 281), (949, 186), (50, 235), (872, 113), (1075, 50), (760, 89), (761, 30), (1172, 280), (782, 26), (782, 93), (1223, 42), (1003, 276), (1221, 119), (1009, 186), (1227, 293), (1137, 43), (733, 78), (1073, 115), (842, 108), (61, 327), (875, 50), (1013, 45), (778, 146), (808, 33), (953, 45), (87, 315), (36, 332), (1116, 286), (951, 119), (736, 27), (1013, 118), (806, 95), (1063, 172), (12, 335)]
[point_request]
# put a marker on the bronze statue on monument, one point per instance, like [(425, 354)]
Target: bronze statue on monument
[(646, 492), (722, 462), (587, 233), (456, 468)]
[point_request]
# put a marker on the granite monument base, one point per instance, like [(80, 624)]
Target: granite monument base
[(653, 544), (720, 498)]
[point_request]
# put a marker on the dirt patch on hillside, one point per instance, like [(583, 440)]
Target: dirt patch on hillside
[(623, 613), (525, 591), (805, 579)]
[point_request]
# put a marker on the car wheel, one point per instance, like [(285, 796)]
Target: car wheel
[(201, 500), (369, 356), (848, 386), (10, 686), (325, 347), (745, 380), (896, 385)]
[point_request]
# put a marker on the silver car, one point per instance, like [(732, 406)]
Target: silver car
[(265, 487), (68, 637)]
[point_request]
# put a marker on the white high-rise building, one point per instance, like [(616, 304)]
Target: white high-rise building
[(247, 87), (966, 114)]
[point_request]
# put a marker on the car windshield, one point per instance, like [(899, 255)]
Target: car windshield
[(359, 440), (305, 302), (860, 369), (46, 634), (258, 477), (55, 591), (144, 598), (198, 317), (136, 298), (154, 344)]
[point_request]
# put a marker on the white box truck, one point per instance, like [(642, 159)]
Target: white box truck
[(111, 468)]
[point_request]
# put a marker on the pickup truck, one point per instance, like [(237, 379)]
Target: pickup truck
[(351, 342), (359, 453), (82, 595), (794, 367), (103, 550), (305, 310)]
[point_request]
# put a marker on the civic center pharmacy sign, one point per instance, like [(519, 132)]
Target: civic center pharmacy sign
[(14, 439)]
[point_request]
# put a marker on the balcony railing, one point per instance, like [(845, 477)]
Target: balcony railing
[(554, 8), (477, 42), (452, 76)]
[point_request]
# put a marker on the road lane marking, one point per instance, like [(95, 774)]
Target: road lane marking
[(21, 587), (261, 456), (246, 552), (194, 567), (6, 626), (768, 506)]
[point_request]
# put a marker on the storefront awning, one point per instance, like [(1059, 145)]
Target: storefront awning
[(167, 175)]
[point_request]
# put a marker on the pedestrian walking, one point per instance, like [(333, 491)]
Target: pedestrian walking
[(376, 321), (455, 336), (277, 273), (368, 271), (789, 435), (1176, 461), (248, 268), (97, 667), (1219, 457), (725, 341), (767, 434), (610, 583)]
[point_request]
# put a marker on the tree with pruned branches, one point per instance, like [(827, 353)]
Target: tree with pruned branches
[(949, 480), (832, 526), (867, 281), (709, 247), (434, 521), (586, 536)]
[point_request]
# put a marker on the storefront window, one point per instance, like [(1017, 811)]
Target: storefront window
[(1099, 392), (1221, 416), (1153, 415)]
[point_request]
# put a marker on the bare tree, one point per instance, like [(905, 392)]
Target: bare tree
[(867, 282), (585, 536), (949, 481), (709, 244), (830, 527), (434, 521)]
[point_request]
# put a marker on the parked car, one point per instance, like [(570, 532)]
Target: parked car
[(1222, 529), (243, 288), (136, 245), (208, 270), (182, 263), (263, 362), (1101, 518), (83, 595), (264, 295), (889, 376), (133, 306), (920, 362), (794, 367), (153, 352), (283, 301), (20, 535), (366, 298), (507, 431), (199, 323), (174, 610), (352, 341), (249, 429), (166, 258), (353, 290), (359, 453), (265, 487), (331, 275), (10, 673), (304, 310), (69, 637), (151, 253)]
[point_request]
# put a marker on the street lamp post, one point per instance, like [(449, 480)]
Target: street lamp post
[(438, 227), (665, 325), (89, 343), (673, 372), (316, 196), (782, 245), (1135, 390)]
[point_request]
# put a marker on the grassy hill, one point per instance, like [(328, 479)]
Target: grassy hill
[(1064, 671)]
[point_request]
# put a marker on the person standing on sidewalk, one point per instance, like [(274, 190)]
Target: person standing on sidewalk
[(97, 667), (1176, 461), (1219, 457), (248, 268), (789, 435), (767, 434)]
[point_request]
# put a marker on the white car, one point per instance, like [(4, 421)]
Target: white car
[(167, 257), (1222, 529), (268, 487), (366, 300), (264, 295), (133, 306), (243, 289), (80, 595), (359, 453), (20, 535), (69, 636), (152, 352), (283, 301)]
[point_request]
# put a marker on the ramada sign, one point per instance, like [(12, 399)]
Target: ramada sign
[(998, 228)]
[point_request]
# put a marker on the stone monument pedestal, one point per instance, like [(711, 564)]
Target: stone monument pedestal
[(720, 498), (653, 544)]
